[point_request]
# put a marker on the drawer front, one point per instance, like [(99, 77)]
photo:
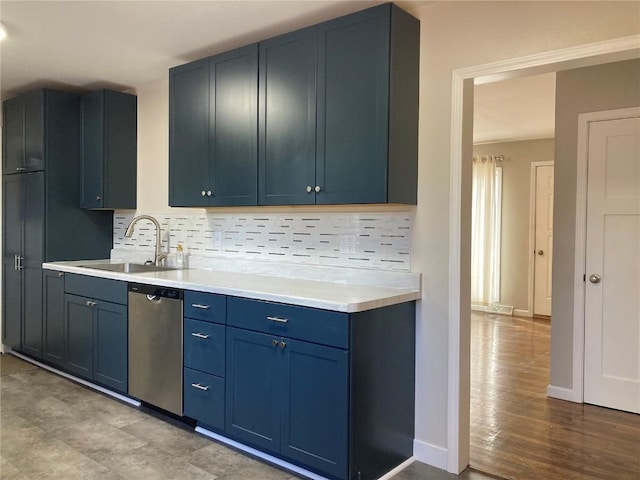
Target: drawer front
[(205, 306), (96, 288), (310, 324), (204, 398), (204, 346)]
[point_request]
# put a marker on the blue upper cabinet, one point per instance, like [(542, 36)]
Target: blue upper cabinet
[(189, 134), (359, 74), (108, 150), (213, 129), (233, 176), (336, 119), (353, 106), (288, 119), (23, 133)]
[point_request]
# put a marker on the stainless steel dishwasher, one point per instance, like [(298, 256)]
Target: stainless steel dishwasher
[(155, 346)]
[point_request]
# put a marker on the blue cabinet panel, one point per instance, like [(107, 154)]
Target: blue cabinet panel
[(78, 336), (53, 317), (12, 236), (204, 346), (315, 406), (287, 119), (353, 108), (204, 398), (209, 307), (189, 134), (253, 389), (234, 127), (23, 133), (318, 326), (110, 345)]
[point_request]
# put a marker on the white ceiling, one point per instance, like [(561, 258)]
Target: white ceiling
[(86, 45), (518, 109)]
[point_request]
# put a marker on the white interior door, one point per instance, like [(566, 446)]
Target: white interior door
[(612, 289), (543, 252)]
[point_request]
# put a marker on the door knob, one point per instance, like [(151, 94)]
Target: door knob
[(540, 252), (594, 278)]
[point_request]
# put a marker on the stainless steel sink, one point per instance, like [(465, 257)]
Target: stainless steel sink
[(126, 267)]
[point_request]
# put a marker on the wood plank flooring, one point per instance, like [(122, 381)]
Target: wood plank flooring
[(519, 433)]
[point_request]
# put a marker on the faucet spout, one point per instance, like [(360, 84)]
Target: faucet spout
[(129, 232)]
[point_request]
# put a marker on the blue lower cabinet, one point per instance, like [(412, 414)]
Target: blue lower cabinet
[(253, 390), (204, 398), (289, 397), (78, 336), (110, 348), (315, 406), (96, 334)]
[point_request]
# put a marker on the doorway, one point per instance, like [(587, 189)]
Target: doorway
[(510, 352), (462, 84)]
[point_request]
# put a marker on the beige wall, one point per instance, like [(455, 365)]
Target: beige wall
[(516, 181), (605, 87), (453, 35)]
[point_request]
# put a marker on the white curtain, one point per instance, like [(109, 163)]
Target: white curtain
[(485, 230)]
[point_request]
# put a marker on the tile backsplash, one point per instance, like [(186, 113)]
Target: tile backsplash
[(382, 240)]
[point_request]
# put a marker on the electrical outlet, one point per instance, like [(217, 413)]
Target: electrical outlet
[(217, 239), (347, 244)]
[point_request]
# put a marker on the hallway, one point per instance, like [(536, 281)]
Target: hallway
[(519, 433)]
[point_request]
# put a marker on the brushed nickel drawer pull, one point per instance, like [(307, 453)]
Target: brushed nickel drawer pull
[(200, 387), (91, 304), (277, 319), (199, 335), (199, 305)]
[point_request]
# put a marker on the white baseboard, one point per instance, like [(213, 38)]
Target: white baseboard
[(562, 393), (497, 309), (431, 454), (522, 313)]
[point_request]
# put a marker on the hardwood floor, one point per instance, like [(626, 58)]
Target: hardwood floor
[(519, 433)]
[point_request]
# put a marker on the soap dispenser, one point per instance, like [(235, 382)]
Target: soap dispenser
[(179, 256)]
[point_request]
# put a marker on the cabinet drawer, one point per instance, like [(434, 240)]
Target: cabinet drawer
[(204, 398), (204, 346), (314, 325), (205, 306), (96, 288)]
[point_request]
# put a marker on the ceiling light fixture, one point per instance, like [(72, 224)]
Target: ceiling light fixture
[(3, 31)]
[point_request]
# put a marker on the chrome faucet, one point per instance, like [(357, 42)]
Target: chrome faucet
[(159, 256)]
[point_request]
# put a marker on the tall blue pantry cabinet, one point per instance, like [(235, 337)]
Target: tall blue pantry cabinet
[(41, 217)]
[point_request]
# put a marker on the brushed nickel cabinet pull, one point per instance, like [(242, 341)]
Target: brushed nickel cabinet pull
[(278, 319)]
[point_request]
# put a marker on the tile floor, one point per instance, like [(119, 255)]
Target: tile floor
[(53, 428)]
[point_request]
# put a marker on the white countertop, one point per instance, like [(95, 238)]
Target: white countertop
[(336, 295)]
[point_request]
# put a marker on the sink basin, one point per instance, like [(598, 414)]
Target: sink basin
[(126, 267)]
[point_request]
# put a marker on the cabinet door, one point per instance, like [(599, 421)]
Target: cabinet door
[(189, 135), (33, 253), (234, 127), (110, 345), (13, 135), (353, 107), (12, 237), (53, 317), (287, 119), (78, 335), (92, 153), (315, 406), (253, 388), (34, 130)]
